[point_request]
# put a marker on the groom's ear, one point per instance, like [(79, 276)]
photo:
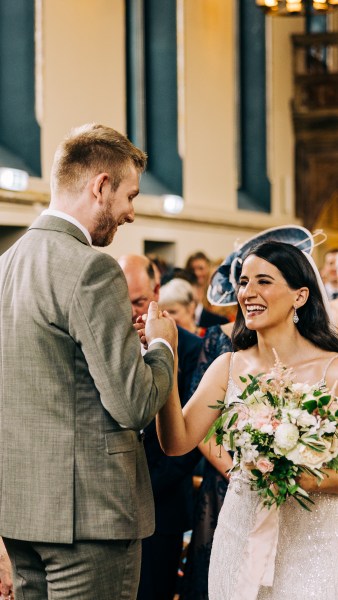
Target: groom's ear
[(98, 184)]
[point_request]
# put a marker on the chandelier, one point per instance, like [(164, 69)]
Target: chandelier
[(296, 7)]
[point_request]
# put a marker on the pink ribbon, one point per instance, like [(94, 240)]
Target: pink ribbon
[(258, 564)]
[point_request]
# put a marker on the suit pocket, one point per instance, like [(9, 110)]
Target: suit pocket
[(120, 441), (121, 453)]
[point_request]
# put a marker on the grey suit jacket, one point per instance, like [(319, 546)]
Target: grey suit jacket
[(75, 391)]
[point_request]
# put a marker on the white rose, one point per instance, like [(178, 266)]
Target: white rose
[(314, 459), (286, 436), (306, 420), (294, 414), (294, 455), (328, 426), (267, 428)]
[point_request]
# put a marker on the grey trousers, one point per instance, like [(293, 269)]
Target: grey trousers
[(102, 570)]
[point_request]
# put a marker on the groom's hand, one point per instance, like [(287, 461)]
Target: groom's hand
[(159, 324)]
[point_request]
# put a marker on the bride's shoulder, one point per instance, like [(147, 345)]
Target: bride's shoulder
[(246, 359), (223, 360), (220, 366)]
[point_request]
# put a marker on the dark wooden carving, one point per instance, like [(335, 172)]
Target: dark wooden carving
[(315, 119)]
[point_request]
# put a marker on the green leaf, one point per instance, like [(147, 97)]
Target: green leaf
[(302, 503), (325, 400), (244, 379), (217, 425), (312, 446), (256, 472), (232, 420), (310, 405), (333, 464)]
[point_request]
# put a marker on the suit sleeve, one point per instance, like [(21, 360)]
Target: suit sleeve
[(131, 389)]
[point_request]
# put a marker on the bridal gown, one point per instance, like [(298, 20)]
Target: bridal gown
[(306, 564)]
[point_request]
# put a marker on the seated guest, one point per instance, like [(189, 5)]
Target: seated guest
[(329, 273), (177, 297)]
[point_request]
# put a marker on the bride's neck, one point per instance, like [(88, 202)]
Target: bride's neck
[(287, 346)]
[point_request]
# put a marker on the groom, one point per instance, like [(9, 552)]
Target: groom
[(75, 494)]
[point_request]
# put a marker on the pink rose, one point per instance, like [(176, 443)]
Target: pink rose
[(264, 465), (275, 422)]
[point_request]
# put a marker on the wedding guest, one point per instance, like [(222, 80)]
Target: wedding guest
[(171, 477), (329, 273), (283, 309), (334, 303), (200, 265), (177, 297), (206, 315), (76, 497)]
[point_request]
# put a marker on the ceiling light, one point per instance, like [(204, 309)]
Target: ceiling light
[(172, 205), (13, 179)]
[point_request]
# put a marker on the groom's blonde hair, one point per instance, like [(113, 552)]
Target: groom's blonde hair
[(92, 149)]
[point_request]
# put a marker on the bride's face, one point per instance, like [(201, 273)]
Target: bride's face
[(264, 296)]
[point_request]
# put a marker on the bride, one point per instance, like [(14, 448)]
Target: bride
[(277, 282)]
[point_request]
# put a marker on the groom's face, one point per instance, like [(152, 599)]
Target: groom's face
[(117, 208)]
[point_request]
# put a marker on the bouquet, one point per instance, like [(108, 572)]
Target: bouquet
[(277, 430)]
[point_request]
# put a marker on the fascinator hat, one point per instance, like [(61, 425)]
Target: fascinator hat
[(223, 284)]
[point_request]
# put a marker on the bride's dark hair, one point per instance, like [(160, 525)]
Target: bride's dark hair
[(314, 323)]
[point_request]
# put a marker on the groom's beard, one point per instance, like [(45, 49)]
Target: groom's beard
[(105, 227)]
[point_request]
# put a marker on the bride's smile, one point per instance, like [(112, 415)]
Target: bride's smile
[(264, 295)]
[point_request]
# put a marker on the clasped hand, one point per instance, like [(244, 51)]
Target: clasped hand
[(6, 590), (156, 324)]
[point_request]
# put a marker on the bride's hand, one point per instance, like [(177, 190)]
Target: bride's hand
[(307, 482), (6, 577), (139, 327), (328, 485)]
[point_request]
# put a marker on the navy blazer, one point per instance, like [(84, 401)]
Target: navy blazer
[(171, 476)]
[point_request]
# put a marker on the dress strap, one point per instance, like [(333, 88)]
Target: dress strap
[(328, 366), (231, 365)]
